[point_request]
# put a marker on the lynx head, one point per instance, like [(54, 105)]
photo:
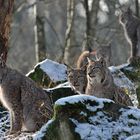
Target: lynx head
[(77, 78), (96, 71), (125, 16)]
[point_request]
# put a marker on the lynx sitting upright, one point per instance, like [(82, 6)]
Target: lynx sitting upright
[(100, 81), (26, 102), (101, 84), (131, 26)]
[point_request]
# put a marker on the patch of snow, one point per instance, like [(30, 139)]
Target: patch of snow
[(63, 85), (4, 123), (56, 71), (134, 137), (82, 98), (115, 68), (101, 126), (120, 79), (83, 113), (38, 135)]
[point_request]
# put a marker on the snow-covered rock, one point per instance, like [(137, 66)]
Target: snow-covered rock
[(83, 117), (48, 73)]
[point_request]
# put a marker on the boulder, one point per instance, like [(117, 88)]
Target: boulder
[(83, 117)]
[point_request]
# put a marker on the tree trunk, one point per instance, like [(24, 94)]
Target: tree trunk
[(137, 7), (91, 24), (40, 21), (6, 7), (70, 39)]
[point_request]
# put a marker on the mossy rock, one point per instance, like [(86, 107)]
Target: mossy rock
[(42, 79), (60, 92), (83, 117)]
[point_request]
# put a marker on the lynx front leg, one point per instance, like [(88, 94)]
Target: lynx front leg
[(16, 120)]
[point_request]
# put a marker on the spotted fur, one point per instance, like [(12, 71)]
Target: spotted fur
[(77, 79), (100, 83)]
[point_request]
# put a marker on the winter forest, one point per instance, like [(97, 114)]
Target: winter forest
[(69, 70)]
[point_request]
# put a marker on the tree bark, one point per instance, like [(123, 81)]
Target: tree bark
[(91, 17), (137, 7), (70, 35), (6, 7)]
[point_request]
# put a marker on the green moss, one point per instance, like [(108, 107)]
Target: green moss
[(135, 62), (133, 75), (61, 129)]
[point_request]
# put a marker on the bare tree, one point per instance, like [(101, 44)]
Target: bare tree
[(69, 37), (137, 7), (40, 21), (6, 7), (91, 22)]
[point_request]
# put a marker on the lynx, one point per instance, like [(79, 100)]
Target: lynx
[(102, 51), (28, 104), (131, 26), (77, 79), (101, 84)]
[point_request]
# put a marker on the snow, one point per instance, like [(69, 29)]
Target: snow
[(4, 123), (134, 137), (81, 98), (38, 135), (120, 79), (101, 126), (56, 71), (63, 85)]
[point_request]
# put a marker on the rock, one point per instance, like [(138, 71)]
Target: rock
[(63, 90), (48, 73), (90, 118), (132, 71), (122, 81)]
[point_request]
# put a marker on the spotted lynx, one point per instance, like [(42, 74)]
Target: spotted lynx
[(102, 51), (131, 26), (101, 84), (77, 79), (29, 105)]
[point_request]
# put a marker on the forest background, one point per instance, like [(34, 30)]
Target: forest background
[(61, 29)]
